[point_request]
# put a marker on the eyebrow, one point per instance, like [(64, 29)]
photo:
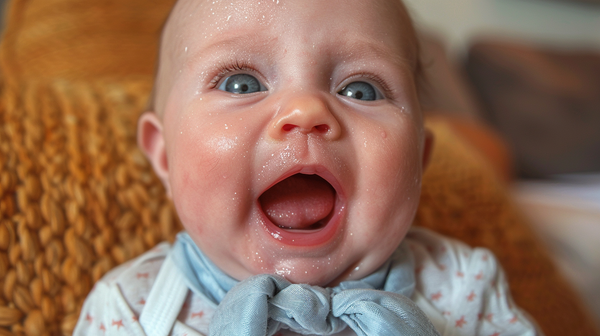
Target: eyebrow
[(350, 50), (407, 57), (235, 42)]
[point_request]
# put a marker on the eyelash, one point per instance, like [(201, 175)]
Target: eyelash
[(381, 83), (237, 65), (227, 68)]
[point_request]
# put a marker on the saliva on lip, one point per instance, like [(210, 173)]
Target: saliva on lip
[(315, 226)]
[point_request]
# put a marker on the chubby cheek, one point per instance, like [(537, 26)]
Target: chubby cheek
[(202, 162), (389, 181)]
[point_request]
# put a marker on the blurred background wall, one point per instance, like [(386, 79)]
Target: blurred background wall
[(554, 23), (530, 70), (2, 2)]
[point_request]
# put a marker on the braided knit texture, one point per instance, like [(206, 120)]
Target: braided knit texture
[(77, 197)]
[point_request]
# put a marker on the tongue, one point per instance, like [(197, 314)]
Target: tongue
[(298, 202)]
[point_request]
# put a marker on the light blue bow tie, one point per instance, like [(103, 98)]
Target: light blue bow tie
[(379, 304)]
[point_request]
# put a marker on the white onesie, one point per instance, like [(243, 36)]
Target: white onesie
[(462, 290)]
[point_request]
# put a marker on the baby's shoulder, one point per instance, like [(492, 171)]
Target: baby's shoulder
[(116, 301), (462, 289), (433, 249), (445, 267), (142, 268)]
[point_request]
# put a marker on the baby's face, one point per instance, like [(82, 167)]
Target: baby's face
[(293, 136)]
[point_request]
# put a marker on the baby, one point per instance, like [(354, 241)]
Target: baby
[(289, 136)]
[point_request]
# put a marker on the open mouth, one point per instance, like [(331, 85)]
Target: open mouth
[(299, 202), (302, 209)]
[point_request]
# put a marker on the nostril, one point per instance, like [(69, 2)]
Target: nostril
[(323, 128), (288, 127)]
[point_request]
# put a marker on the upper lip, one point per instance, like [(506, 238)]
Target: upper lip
[(311, 169)]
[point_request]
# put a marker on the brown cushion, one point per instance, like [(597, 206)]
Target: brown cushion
[(77, 197), (546, 104)]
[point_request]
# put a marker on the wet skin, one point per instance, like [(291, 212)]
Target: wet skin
[(218, 150)]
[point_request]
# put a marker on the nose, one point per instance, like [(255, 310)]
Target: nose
[(308, 114)]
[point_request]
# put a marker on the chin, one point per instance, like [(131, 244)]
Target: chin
[(314, 278)]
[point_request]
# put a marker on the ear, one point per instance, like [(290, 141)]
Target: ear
[(427, 147), (151, 140)]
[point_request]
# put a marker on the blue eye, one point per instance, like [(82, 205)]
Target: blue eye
[(241, 84), (360, 91)]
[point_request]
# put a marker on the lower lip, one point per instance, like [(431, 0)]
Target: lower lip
[(307, 237)]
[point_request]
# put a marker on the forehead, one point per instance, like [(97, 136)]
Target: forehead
[(199, 24)]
